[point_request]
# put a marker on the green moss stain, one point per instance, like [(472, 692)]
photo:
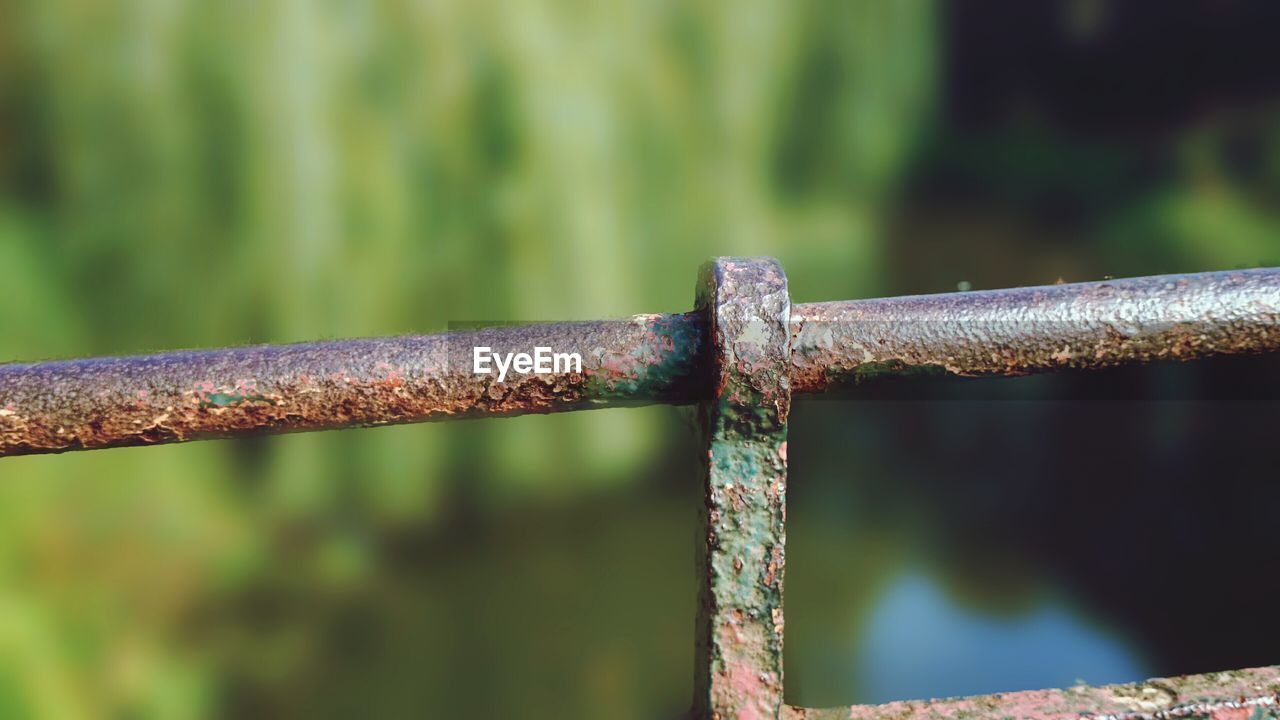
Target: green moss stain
[(231, 399)]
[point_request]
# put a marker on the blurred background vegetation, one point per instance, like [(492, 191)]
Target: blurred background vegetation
[(192, 173)]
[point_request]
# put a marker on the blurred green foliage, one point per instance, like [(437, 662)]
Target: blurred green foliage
[(192, 173)]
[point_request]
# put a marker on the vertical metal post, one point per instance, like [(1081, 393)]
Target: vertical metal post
[(742, 533)]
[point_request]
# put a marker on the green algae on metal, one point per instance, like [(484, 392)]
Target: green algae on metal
[(663, 361), (741, 548)]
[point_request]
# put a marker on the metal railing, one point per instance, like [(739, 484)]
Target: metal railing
[(739, 356)]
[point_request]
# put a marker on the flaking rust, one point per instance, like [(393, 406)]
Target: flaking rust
[(741, 548), (1036, 329), (190, 395)]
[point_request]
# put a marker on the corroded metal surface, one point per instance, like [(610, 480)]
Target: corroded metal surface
[(742, 533), (170, 397), (1038, 329), (1234, 695), (177, 396)]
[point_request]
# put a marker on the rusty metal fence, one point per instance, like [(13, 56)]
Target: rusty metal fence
[(739, 356)]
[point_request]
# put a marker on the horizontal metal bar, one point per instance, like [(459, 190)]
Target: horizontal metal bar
[(1233, 695), (1036, 329), (187, 395)]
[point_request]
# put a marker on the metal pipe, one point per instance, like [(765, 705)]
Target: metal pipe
[(1253, 693), (1036, 329), (188, 395)]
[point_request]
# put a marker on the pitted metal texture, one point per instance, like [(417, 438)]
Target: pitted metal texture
[(188, 395), (191, 395), (1036, 329), (742, 538)]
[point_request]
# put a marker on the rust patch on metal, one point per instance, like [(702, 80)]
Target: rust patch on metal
[(742, 537)]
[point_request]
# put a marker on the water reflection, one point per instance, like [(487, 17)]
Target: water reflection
[(963, 538), (917, 642)]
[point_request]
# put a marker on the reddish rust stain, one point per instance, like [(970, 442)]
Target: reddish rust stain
[(742, 689), (775, 564), (745, 682)]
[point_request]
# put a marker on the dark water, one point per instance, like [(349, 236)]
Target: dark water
[(1012, 534)]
